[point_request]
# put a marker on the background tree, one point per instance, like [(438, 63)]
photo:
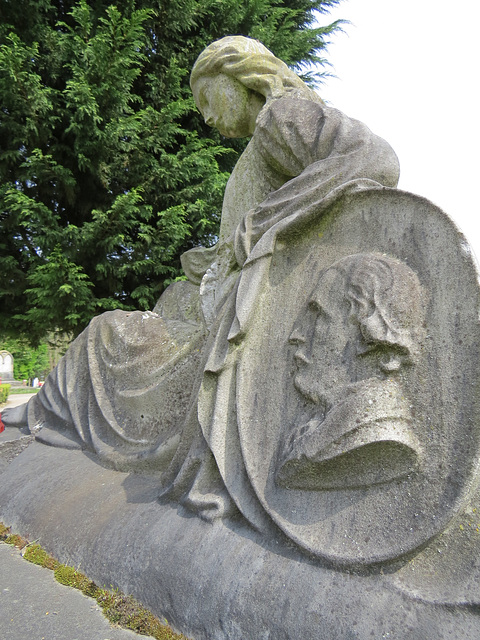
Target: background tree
[(107, 171), (28, 362)]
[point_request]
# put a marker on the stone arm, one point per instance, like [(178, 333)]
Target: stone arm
[(317, 149)]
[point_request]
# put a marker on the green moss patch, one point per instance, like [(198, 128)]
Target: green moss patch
[(118, 608), (71, 577), (35, 554), (129, 614), (16, 541)]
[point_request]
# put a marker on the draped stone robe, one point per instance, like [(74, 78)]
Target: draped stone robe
[(155, 391)]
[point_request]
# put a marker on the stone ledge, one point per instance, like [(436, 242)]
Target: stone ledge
[(212, 581)]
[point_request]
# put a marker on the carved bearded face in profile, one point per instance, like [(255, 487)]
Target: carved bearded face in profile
[(364, 319), (326, 337)]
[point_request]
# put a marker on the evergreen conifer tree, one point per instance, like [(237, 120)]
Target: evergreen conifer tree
[(107, 171)]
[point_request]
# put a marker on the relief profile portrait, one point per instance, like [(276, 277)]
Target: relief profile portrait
[(356, 344)]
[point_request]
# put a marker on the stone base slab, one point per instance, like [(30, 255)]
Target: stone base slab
[(215, 582)]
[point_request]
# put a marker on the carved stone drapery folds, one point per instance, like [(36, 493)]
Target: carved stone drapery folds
[(312, 390)]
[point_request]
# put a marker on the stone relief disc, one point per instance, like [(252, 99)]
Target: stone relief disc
[(345, 524)]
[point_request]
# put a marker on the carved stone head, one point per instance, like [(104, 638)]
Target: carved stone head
[(364, 319), (232, 80), (250, 63)]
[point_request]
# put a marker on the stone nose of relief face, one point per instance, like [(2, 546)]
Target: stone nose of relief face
[(297, 337), (208, 117)]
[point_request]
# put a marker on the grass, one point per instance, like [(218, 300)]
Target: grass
[(17, 390), (117, 607)]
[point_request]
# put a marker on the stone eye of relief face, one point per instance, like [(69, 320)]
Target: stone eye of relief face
[(301, 389)]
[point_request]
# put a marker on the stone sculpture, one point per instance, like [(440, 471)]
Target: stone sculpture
[(6, 365), (364, 321), (313, 388), (123, 388)]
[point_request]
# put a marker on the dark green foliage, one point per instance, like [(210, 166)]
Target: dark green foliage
[(107, 172)]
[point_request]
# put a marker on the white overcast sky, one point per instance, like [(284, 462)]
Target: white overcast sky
[(410, 71)]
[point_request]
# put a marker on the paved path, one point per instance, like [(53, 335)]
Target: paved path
[(34, 606), (15, 399)]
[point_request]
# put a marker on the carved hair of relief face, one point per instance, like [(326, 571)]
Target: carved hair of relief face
[(364, 318)]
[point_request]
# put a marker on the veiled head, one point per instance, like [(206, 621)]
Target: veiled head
[(253, 65), (234, 77)]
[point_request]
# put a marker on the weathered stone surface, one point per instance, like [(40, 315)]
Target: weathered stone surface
[(11, 448), (312, 393), (400, 441), (224, 581)]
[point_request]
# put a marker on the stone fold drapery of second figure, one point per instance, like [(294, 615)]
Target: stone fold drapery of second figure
[(156, 392)]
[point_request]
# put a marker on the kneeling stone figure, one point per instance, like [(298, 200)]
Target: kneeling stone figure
[(291, 379)]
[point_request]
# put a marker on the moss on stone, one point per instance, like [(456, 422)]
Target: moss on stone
[(118, 608), (35, 554)]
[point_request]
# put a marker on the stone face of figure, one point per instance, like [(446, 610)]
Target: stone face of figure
[(227, 105), (363, 319)]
